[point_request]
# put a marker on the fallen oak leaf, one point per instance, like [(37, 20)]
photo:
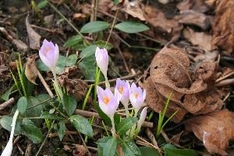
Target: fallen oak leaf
[(215, 130)]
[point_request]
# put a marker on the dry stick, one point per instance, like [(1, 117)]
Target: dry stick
[(168, 140), (52, 96), (224, 77), (145, 142), (152, 138), (123, 58), (225, 82), (45, 85), (44, 141), (7, 103), (89, 153)]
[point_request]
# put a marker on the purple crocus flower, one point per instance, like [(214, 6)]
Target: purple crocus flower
[(122, 91), (102, 60), (107, 101), (137, 97), (49, 54)]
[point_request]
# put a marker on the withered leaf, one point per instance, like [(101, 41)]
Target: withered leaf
[(31, 71), (215, 130), (157, 102), (76, 87), (194, 18), (195, 5), (192, 88), (223, 27), (134, 9), (34, 38), (158, 19)]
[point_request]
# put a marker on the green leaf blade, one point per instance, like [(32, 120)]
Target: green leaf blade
[(171, 150), (94, 26), (22, 105), (82, 125), (30, 130), (125, 125), (131, 27), (107, 146), (130, 148), (70, 104)]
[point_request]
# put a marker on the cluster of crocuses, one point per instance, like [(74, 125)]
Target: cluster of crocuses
[(123, 92)]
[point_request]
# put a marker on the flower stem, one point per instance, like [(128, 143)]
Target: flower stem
[(113, 126), (107, 82), (126, 110), (57, 88)]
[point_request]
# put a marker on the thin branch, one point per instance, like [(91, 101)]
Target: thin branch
[(7, 103)]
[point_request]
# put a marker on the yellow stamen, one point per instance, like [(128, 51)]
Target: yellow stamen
[(47, 49), (120, 89), (135, 95), (106, 100)]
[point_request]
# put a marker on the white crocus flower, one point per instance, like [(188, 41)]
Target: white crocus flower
[(8, 149)]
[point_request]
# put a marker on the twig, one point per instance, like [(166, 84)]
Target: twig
[(7, 103), (56, 10), (145, 142), (45, 84), (225, 82), (224, 77), (124, 61), (152, 138), (44, 141), (84, 143)]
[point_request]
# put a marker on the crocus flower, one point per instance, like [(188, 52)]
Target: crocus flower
[(137, 97), (122, 91), (102, 60), (142, 118), (8, 149), (107, 101), (49, 54)]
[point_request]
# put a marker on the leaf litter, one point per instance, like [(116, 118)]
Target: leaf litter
[(187, 67)]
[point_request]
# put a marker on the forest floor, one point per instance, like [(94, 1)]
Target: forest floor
[(181, 50)]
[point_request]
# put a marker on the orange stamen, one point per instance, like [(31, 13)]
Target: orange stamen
[(47, 49), (135, 95), (120, 89), (106, 100)]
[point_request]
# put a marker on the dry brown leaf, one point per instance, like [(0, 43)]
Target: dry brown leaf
[(158, 19), (105, 5), (31, 71), (157, 102), (79, 16), (195, 5), (200, 39), (134, 9), (192, 88), (34, 38), (223, 27), (192, 17), (215, 130), (76, 87), (80, 150)]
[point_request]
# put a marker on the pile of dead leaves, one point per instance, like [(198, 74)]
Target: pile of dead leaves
[(189, 70)]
